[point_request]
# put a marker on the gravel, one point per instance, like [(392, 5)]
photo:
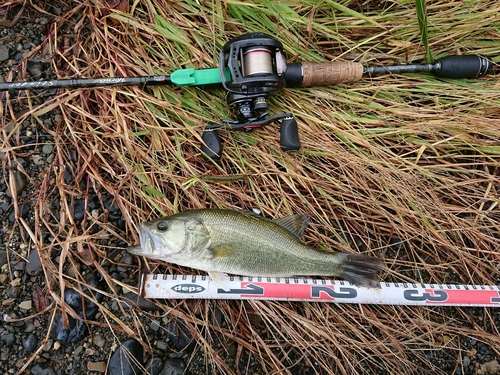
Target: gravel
[(71, 347)]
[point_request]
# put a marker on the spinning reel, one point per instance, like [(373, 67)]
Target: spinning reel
[(252, 66)]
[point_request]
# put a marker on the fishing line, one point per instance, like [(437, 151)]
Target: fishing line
[(257, 61)]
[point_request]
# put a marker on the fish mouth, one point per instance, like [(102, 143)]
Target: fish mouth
[(136, 249), (146, 244)]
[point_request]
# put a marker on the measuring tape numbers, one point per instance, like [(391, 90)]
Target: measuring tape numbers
[(164, 286)]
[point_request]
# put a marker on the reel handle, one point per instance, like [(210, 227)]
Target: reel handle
[(289, 135), (211, 146)]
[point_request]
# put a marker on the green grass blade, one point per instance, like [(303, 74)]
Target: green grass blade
[(422, 23)]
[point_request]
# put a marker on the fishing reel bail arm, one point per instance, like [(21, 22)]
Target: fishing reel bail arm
[(256, 67)]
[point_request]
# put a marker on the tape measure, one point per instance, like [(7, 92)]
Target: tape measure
[(312, 290)]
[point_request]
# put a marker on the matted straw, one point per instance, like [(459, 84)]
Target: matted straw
[(405, 168)]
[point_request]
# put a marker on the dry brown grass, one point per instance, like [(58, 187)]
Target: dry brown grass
[(403, 168)]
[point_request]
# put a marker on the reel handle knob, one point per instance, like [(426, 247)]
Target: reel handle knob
[(211, 148), (289, 135), (466, 66)]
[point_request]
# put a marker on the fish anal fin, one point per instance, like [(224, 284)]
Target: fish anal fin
[(220, 280), (295, 224)]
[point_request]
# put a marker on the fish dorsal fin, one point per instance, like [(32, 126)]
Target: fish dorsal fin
[(296, 224)]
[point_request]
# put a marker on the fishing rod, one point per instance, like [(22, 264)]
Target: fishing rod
[(251, 67)]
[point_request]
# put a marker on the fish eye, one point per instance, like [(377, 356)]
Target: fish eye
[(162, 226)]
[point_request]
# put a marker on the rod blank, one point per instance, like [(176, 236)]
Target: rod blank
[(87, 83)]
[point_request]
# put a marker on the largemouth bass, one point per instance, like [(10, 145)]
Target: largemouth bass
[(242, 243)]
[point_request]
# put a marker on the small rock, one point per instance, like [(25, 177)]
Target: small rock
[(39, 370), (127, 259), (179, 336), (132, 299), (24, 210), (38, 159), (4, 206), (73, 270), (19, 266), (84, 307), (56, 10), (4, 353), (3, 257), (13, 291), (121, 363), (96, 366), (154, 325), (47, 149), (26, 305), (78, 209), (173, 367), (78, 351), (8, 302), (68, 175), (491, 367), (30, 342), (154, 365), (4, 53), (99, 341), (74, 332), (34, 68), (30, 327), (7, 339), (48, 345), (161, 345), (20, 182)]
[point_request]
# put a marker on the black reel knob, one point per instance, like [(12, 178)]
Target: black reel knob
[(289, 135), (211, 148)]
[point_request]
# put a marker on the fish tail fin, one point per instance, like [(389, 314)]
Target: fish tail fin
[(361, 270)]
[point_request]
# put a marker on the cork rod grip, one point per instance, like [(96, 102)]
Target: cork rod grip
[(330, 73)]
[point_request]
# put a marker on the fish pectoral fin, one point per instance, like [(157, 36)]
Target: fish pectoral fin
[(222, 251), (294, 223), (220, 279)]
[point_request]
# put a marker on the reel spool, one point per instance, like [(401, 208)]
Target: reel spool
[(256, 66)]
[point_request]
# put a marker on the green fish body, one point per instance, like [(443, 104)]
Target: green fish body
[(242, 243)]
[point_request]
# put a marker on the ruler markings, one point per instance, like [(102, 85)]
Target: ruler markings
[(314, 290)]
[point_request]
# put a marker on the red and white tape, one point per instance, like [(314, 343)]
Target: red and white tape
[(313, 290)]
